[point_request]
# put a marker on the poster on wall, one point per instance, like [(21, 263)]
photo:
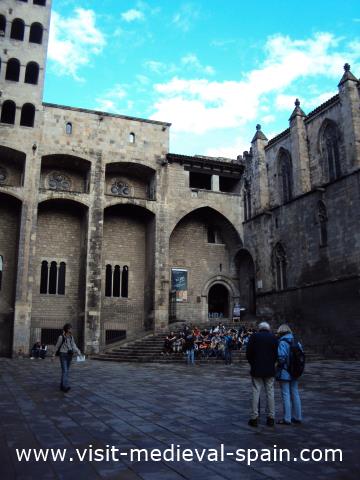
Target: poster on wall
[(179, 283)]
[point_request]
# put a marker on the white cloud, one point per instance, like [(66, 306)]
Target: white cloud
[(192, 61), (230, 151), (111, 100), (200, 105), (132, 15), (185, 17), (73, 41)]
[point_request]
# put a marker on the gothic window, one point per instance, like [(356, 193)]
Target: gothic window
[(330, 150), (120, 188), (132, 137), (17, 29), (247, 201), (322, 217), (1, 269), (58, 181), (117, 281), (39, 2), (32, 73), (3, 175), (2, 26), (286, 177), (27, 115), (68, 128), (280, 267), (36, 33), (8, 112), (52, 279)]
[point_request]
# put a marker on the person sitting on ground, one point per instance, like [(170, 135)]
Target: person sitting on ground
[(168, 343), (38, 350)]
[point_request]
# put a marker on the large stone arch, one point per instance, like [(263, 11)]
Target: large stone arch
[(10, 218), (60, 258), (202, 248), (65, 173), (12, 167), (130, 180), (128, 245), (233, 295)]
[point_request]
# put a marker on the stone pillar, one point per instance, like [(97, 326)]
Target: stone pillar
[(26, 269), (299, 151), (259, 181), (215, 183), (92, 327), (349, 104)]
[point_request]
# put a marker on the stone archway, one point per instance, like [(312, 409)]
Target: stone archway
[(218, 302)]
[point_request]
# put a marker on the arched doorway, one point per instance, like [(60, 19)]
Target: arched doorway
[(246, 269), (218, 302)]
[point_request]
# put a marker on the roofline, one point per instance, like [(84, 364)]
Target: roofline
[(104, 114)]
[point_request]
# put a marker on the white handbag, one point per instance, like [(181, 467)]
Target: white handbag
[(80, 358)]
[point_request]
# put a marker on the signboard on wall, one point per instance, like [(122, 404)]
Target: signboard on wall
[(179, 283)]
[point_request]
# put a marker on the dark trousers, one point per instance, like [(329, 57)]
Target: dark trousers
[(65, 362)]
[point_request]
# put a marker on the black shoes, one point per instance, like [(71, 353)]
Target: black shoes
[(253, 422), (270, 422), (283, 422), (297, 422), (65, 390)]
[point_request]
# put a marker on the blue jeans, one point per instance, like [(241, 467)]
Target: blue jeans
[(227, 356), (291, 400), (190, 357), (65, 361)]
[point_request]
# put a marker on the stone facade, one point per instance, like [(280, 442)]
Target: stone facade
[(102, 227)]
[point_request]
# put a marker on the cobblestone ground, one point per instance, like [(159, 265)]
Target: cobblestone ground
[(153, 406)]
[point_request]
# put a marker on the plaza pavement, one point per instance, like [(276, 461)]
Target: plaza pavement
[(153, 406)]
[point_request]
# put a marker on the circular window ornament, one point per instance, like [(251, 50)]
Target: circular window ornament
[(58, 181), (120, 188)]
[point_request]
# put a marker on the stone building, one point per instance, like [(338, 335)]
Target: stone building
[(102, 227)]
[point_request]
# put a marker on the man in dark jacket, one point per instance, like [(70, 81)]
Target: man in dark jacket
[(261, 353)]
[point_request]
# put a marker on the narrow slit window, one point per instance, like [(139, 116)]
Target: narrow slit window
[(1, 269), (61, 280), (108, 281), (44, 277), (125, 282), (69, 128), (53, 278), (132, 137)]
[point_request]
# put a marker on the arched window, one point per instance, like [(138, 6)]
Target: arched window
[(40, 2), (2, 26), (13, 70), (32, 73), (108, 281), (17, 29), (53, 278), (280, 267), (61, 279), (68, 128), (286, 176), (125, 282), (322, 217), (1, 269), (8, 112), (44, 277), (247, 201), (36, 33), (330, 151), (116, 281), (27, 115), (132, 137)]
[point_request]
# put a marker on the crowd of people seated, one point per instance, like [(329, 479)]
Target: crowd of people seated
[(215, 341)]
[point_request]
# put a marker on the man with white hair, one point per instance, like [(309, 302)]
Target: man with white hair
[(261, 353)]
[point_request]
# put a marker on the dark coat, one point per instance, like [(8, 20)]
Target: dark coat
[(261, 353)]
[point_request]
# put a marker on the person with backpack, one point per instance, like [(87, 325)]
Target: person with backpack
[(65, 348), (291, 362)]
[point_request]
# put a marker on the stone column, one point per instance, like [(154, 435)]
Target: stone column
[(215, 183), (92, 327), (259, 181)]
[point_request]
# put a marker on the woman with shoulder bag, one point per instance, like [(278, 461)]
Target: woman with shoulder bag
[(65, 348)]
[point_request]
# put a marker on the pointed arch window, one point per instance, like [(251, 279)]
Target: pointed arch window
[(32, 73), (13, 70), (286, 176), (322, 217), (8, 111), (17, 29), (280, 267), (330, 150)]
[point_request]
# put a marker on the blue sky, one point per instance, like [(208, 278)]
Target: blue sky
[(214, 69)]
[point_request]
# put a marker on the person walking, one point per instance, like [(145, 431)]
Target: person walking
[(288, 383), (261, 354), (190, 349), (65, 348)]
